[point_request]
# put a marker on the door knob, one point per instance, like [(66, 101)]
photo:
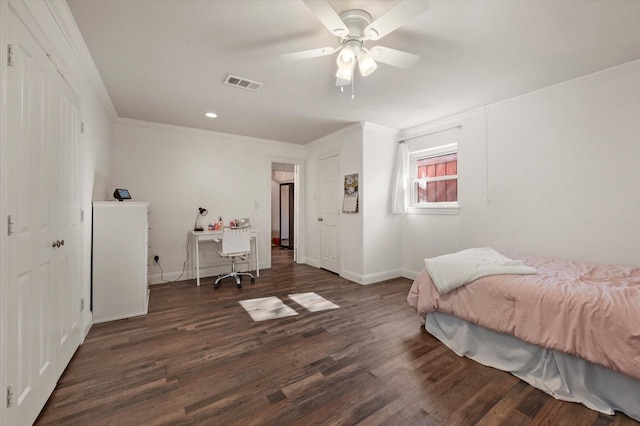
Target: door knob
[(54, 244), (61, 242), (320, 219)]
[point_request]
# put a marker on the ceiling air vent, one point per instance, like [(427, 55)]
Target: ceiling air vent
[(243, 83)]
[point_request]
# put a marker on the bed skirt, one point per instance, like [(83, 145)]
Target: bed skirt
[(562, 376)]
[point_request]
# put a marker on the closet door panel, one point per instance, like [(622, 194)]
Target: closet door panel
[(67, 226), (31, 358), (43, 201)]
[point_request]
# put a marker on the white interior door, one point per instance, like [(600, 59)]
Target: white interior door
[(67, 226), (329, 218), (41, 275)]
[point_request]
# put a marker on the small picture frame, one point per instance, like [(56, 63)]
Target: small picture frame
[(350, 202)]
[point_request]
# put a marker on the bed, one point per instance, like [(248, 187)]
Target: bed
[(571, 329)]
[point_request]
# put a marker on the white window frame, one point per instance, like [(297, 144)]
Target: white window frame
[(450, 207)]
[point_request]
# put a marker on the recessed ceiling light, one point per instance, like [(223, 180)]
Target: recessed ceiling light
[(211, 114)]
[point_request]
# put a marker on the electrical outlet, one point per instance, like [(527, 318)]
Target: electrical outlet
[(156, 258)]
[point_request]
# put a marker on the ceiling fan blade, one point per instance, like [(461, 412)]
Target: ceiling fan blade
[(308, 54), (394, 57), (325, 13), (393, 18)]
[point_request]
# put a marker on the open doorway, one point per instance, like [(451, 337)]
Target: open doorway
[(283, 208)]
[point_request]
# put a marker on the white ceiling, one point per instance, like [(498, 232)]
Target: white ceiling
[(165, 60)]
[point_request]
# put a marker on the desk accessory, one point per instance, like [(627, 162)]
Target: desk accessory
[(197, 226), (121, 194)]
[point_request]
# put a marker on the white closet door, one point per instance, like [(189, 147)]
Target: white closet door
[(329, 205), (42, 276), (66, 222)]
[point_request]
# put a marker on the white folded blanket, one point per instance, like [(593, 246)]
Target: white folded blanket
[(451, 271)]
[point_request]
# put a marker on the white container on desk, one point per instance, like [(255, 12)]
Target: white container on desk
[(120, 287)]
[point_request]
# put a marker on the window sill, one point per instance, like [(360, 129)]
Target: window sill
[(455, 209)]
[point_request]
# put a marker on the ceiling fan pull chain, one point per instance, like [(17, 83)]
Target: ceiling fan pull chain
[(353, 86)]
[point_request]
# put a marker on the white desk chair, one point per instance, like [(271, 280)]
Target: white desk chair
[(235, 243)]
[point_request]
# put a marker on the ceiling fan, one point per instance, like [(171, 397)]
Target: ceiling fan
[(354, 28)]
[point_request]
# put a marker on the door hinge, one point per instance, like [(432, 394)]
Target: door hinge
[(82, 304), (82, 127), (81, 215), (10, 56), (9, 225), (9, 396)]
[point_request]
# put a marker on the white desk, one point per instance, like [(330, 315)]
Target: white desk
[(200, 236)]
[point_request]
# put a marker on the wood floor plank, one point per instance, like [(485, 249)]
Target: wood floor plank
[(505, 412), (198, 358)]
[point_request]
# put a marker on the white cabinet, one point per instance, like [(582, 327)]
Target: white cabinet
[(120, 248)]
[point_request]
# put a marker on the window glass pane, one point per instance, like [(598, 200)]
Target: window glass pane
[(452, 189), (421, 191), (442, 160), (452, 167), (437, 192), (431, 192), (439, 179), (441, 191)]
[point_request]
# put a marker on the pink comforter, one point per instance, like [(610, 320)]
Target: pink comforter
[(587, 310)]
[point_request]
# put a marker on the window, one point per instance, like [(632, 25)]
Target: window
[(434, 180)]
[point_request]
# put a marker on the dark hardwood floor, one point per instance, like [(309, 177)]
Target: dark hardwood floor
[(198, 358)]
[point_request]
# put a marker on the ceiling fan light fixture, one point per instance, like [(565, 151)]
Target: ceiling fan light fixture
[(346, 57), (366, 64), (345, 73)]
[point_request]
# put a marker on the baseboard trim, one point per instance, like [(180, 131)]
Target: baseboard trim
[(205, 272), (87, 326), (168, 277), (311, 262), (409, 274), (371, 278)]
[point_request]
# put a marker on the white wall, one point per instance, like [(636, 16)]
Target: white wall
[(96, 165), (178, 170), (351, 224), (381, 229), (370, 245), (428, 235), (336, 143), (551, 173)]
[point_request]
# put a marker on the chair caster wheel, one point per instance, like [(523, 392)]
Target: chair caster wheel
[(215, 286), (239, 285), (253, 280)]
